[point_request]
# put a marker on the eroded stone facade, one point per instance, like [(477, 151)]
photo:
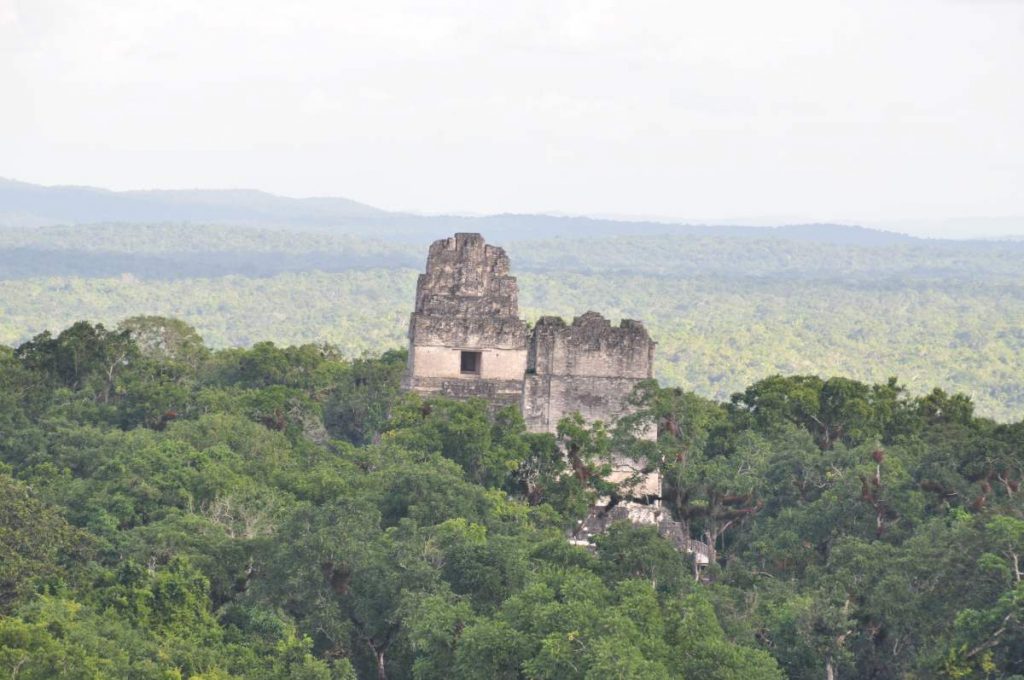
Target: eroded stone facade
[(466, 340), (588, 366), (467, 304)]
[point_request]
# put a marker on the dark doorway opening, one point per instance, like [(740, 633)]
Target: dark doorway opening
[(471, 362)]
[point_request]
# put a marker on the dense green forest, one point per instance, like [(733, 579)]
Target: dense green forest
[(725, 310), (175, 511)]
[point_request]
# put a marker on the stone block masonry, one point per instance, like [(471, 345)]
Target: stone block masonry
[(465, 335), (466, 340), (588, 366)]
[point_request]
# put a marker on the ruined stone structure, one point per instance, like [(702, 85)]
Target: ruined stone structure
[(465, 336), (466, 340), (598, 521), (588, 366)]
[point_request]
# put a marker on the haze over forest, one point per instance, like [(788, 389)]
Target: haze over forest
[(728, 304)]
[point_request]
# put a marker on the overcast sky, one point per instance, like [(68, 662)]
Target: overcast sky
[(824, 109)]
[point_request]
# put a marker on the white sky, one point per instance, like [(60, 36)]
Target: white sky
[(817, 109)]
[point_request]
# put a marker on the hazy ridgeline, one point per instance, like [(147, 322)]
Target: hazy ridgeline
[(726, 309)]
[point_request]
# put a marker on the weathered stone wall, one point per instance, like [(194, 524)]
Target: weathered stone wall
[(548, 398), (588, 366), (467, 300), (468, 278), (499, 392), (468, 331), (591, 346), (444, 362)]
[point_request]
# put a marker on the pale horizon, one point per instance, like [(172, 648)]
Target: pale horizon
[(899, 116)]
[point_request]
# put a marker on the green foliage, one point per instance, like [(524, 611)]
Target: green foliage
[(34, 538), (171, 511), (726, 311), (363, 394), (630, 552)]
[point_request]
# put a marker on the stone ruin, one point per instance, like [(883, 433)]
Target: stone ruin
[(465, 336), (466, 339)]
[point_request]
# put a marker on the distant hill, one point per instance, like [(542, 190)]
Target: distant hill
[(32, 205), (23, 204)]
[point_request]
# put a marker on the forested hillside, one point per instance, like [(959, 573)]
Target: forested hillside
[(726, 309), (176, 511)]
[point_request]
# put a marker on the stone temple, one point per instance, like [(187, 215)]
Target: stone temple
[(465, 336), (466, 339)]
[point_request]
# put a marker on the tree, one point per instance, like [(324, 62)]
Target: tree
[(831, 410), (168, 340), (359, 406), (700, 650), (627, 551), (82, 357), (35, 541)]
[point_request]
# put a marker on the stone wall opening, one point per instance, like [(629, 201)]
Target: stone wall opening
[(469, 362)]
